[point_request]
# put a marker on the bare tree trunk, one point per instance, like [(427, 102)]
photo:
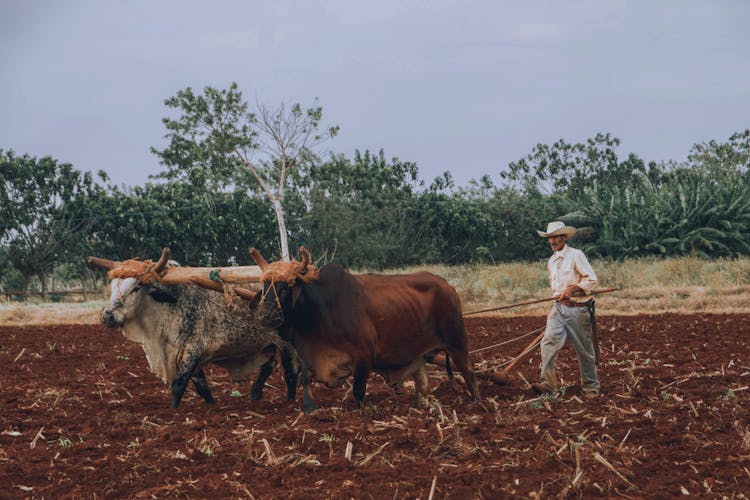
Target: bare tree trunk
[(43, 281), (282, 228), (82, 277)]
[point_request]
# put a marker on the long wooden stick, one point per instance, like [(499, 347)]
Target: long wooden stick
[(526, 351), (502, 377), (499, 378), (535, 301)]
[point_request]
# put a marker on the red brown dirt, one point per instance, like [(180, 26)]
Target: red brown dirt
[(83, 417)]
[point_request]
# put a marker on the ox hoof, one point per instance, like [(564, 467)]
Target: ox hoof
[(308, 409), (256, 396), (419, 402)]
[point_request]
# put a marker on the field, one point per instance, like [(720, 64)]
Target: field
[(83, 417)]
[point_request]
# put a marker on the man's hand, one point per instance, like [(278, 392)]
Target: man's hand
[(571, 291)]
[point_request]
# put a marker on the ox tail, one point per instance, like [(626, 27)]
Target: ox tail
[(430, 357), (448, 368), (454, 333)]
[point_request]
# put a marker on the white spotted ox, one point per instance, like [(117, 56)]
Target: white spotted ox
[(181, 329)]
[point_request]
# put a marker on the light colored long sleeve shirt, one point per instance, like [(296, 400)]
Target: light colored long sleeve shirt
[(568, 267)]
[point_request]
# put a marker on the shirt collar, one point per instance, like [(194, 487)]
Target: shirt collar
[(561, 253)]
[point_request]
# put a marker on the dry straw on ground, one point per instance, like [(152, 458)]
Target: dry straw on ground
[(20, 314)]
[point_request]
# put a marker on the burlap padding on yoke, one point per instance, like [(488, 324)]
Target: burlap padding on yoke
[(289, 272), (133, 268)]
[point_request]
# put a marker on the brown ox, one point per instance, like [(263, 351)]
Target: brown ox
[(343, 324)]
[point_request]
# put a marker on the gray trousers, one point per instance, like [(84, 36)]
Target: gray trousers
[(573, 323)]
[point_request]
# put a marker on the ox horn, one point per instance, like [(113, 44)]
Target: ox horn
[(258, 258), (104, 263), (305, 259), (162, 262)]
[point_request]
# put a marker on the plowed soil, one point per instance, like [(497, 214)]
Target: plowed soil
[(83, 417)]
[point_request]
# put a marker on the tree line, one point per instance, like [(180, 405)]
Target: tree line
[(210, 201)]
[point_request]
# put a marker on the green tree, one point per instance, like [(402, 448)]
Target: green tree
[(514, 218), (455, 228), (689, 211), (46, 214), (208, 127), (569, 168), (731, 158), (287, 137), (362, 210), (215, 136), (201, 228)]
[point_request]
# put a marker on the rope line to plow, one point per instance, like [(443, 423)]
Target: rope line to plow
[(505, 363), (487, 348)]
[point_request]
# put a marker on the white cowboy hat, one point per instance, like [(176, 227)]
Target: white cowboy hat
[(557, 227)]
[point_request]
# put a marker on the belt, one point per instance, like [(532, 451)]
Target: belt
[(570, 303)]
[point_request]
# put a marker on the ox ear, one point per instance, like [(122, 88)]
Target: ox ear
[(163, 296), (296, 293)]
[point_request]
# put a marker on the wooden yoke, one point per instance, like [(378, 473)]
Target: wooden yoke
[(234, 274), (218, 287), (179, 275)]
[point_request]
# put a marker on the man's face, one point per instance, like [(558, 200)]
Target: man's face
[(557, 242)]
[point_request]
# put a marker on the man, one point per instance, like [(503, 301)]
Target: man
[(570, 275)]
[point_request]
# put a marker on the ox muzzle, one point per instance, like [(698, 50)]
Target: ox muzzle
[(113, 315), (112, 318)]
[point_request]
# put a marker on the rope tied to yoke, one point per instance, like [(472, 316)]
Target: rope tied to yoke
[(232, 300), (286, 272), (143, 270)]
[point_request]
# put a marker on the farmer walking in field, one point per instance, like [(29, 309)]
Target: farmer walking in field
[(570, 276)]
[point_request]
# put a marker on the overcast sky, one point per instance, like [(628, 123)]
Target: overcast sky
[(464, 86)]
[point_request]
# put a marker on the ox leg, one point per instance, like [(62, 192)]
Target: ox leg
[(361, 372), (201, 386), (291, 364), (184, 374), (308, 403), (466, 367), (256, 390), (420, 385)]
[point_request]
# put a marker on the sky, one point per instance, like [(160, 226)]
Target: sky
[(453, 85)]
